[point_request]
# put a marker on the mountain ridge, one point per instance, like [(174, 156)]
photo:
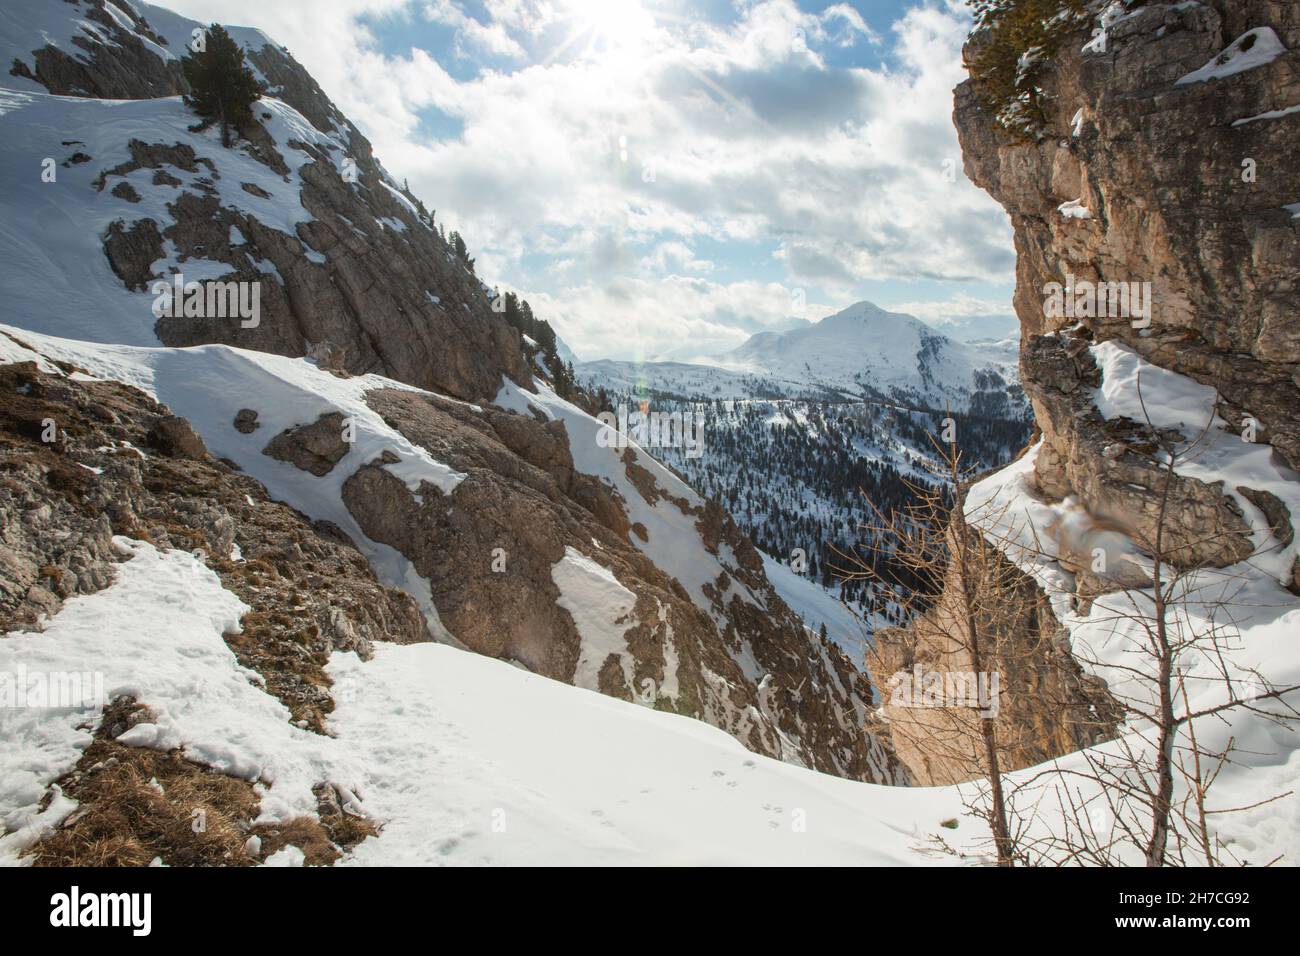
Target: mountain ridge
[(862, 352)]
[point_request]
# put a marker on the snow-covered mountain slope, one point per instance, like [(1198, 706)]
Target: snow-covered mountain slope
[(504, 526), (820, 608), (462, 759), (209, 384), (868, 352), (461, 506), (862, 352), (801, 478), (558, 775), (78, 208), (422, 745)]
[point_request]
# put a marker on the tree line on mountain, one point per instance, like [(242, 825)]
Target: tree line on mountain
[(804, 477), (519, 314)]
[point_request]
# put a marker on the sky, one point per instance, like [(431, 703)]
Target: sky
[(660, 179)]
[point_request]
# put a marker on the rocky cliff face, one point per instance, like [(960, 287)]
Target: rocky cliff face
[(589, 565), (1167, 156), (1187, 177), (1188, 184), (1043, 703)]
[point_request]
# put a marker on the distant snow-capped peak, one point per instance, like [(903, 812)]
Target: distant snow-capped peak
[(861, 352)]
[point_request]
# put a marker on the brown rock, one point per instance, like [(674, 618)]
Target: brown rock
[(1044, 704), (174, 437), (316, 448), (246, 421), (131, 252), (1275, 510), (1112, 466)]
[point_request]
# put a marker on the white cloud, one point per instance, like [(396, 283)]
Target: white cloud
[(608, 162), (965, 316), (670, 256), (673, 317), (851, 28), (490, 37)]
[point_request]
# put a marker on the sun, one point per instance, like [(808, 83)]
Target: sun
[(610, 25)]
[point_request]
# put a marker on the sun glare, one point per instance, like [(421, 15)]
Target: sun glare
[(610, 25)]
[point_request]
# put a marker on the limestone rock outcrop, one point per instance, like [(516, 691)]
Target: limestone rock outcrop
[(1113, 465), (1144, 171), (1189, 186), (316, 448), (1042, 702)]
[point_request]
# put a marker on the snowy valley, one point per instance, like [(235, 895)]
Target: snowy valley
[(805, 443), (362, 573)]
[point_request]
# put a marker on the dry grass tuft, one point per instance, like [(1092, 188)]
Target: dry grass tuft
[(137, 805), (320, 840)]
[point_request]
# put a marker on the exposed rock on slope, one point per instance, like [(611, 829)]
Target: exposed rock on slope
[(115, 55), (316, 448), (361, 275), (512, 553), (112, 466), (1113, 466), (1044, 705), (347, 260)]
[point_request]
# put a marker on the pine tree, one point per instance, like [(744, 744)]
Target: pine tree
[(222, 88), (462, 251), (1019, 38)]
